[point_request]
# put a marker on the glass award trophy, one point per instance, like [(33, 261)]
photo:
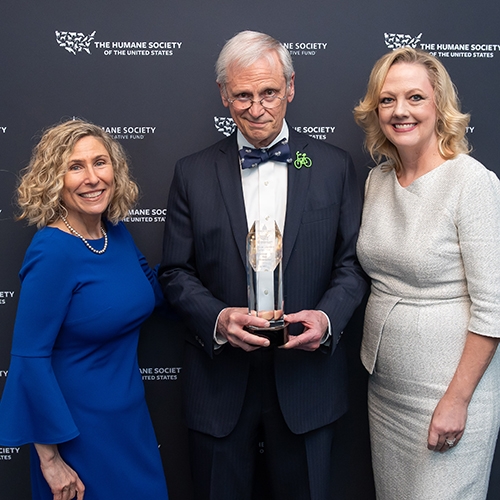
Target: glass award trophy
[(264, 280)]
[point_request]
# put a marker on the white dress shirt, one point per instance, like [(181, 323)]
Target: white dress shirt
[(265, 186), (265, 196)]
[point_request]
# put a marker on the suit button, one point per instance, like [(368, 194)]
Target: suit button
[(199, 341)]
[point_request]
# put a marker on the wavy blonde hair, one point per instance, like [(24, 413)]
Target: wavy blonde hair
[(42, 181), (451, 123)]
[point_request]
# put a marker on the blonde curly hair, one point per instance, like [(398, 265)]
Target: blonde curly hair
[(42, 181), (451, 123)]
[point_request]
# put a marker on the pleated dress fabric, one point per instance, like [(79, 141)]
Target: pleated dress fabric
[(432, 250)]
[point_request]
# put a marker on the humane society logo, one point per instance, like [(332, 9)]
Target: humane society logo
[(161, 373), (466, 50), (305, 48), (226, 126), (5, 296), (147, 215), (9, 453), (395, 41), (129, 132), (76, 43)]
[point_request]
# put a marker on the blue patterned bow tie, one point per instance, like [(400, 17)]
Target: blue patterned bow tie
[(252, 157)]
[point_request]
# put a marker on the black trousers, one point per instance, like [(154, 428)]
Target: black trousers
[(299, 467)]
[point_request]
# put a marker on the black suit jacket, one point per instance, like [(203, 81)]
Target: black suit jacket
[(203, 271)]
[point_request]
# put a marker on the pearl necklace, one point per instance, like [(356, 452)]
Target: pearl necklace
[(87, 244)]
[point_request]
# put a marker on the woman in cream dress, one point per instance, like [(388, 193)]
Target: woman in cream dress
[(430, 241)]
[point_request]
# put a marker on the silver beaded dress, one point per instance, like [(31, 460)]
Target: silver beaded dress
[(432, 250)]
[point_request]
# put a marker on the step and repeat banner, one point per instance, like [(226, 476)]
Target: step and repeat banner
[(144, 71)]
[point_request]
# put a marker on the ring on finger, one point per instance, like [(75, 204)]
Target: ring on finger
[(450, 442)]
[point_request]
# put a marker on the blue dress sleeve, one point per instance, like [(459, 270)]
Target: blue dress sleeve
[(33, 408), (151, 274)]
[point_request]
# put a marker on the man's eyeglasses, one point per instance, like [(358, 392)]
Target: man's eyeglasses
[(268, 102)]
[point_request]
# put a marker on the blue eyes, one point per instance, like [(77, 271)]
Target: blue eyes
[(414, 98)]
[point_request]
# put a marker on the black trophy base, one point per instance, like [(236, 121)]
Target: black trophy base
[(276, 332)]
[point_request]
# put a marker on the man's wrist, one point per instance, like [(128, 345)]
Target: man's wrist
[(325, 340), (219, 340)]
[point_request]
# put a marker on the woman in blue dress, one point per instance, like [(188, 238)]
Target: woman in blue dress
[(74, 389)]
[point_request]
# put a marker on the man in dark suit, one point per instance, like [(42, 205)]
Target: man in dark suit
[(237, 385)]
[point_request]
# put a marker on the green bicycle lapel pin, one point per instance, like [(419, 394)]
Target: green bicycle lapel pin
[(302, 160)]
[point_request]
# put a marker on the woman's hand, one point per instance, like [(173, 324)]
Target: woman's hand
[(61, 478), (447, 424), (448, 420)]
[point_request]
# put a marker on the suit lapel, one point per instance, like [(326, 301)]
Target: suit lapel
[(298, 187), (229, 176)]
